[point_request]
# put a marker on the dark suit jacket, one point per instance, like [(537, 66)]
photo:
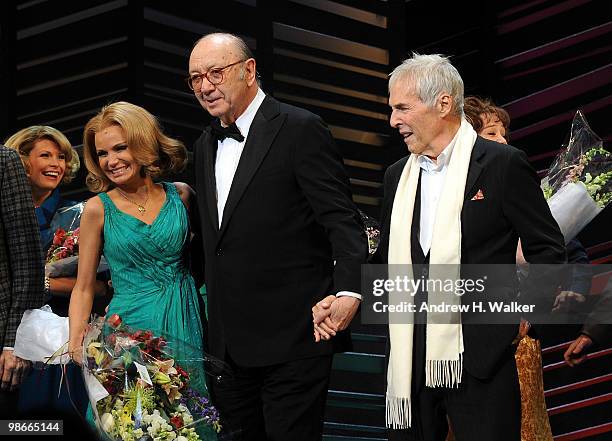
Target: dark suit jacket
[(288, 217), (21, 265), (598, 324), (513, 207)]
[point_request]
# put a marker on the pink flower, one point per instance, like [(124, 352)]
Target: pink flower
[(69, 243)]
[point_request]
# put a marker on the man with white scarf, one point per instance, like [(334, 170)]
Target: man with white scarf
[(457, 199)]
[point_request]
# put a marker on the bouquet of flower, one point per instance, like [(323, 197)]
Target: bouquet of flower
[(145, 386), (65, 244), (579, 182), (63, 254)]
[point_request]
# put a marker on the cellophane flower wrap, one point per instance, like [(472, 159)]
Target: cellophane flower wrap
[(63, 254), (145, 385), (579, 182)]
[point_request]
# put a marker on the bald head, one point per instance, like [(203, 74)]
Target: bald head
[(234, 84), (238, 44)]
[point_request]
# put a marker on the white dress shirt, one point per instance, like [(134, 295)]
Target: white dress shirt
[(229, 151), (432, 182)]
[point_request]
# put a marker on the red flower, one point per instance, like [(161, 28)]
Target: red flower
[(177, 421), (182, 373), (114, 321), (59, 237), (142, 336), (156, 344)]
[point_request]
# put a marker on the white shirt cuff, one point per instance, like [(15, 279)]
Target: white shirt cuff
[(7, 348), (348, 294)]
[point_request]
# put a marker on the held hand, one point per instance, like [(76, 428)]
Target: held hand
[(567, 300), (343, 310), (576, 352), (324, 329), (12, 370), (75, 349)]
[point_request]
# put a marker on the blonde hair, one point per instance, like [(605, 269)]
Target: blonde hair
[(157, 153), (24, 140)]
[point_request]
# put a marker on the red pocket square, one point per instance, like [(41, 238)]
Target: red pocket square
[(478, 196)]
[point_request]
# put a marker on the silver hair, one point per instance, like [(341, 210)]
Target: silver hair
[(430, 75)]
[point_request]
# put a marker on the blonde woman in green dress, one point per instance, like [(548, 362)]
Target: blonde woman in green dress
[(141, 227)]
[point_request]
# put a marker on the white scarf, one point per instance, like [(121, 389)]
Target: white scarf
[(444, 342)]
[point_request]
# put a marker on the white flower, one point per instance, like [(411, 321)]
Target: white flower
[(107, 422), (187, 419)]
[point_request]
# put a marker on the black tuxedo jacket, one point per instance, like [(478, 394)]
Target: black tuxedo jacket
[(513, 207), (289, 215)]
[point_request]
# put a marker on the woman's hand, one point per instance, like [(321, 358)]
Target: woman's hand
[(75, 352)]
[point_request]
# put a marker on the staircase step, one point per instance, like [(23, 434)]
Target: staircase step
[(559, 374), (369, 343), (591, 412), (603, 432), (356, 400), (350, 438), (355, 431), (360, 362), (579, 390)]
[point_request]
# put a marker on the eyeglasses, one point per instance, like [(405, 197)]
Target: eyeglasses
[(214, 76)]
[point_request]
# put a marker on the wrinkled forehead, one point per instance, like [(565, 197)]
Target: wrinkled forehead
[(210, 53), (402, 92)]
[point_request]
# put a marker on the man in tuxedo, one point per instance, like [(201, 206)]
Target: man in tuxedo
[(459, 199), (21, 271), (280, 233)]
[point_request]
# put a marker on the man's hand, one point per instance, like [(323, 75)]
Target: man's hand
[(566, 300), (333, 314), (324, 329), (12, 370), (576, 352), (343, 310)]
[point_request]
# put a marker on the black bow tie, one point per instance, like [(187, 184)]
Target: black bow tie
[(220, 132)]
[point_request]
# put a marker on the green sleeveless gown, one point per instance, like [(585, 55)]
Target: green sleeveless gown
[(148, 264), (153, 287)]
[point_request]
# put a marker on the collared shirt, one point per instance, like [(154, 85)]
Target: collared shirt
[(432, 182), (229, 152)]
